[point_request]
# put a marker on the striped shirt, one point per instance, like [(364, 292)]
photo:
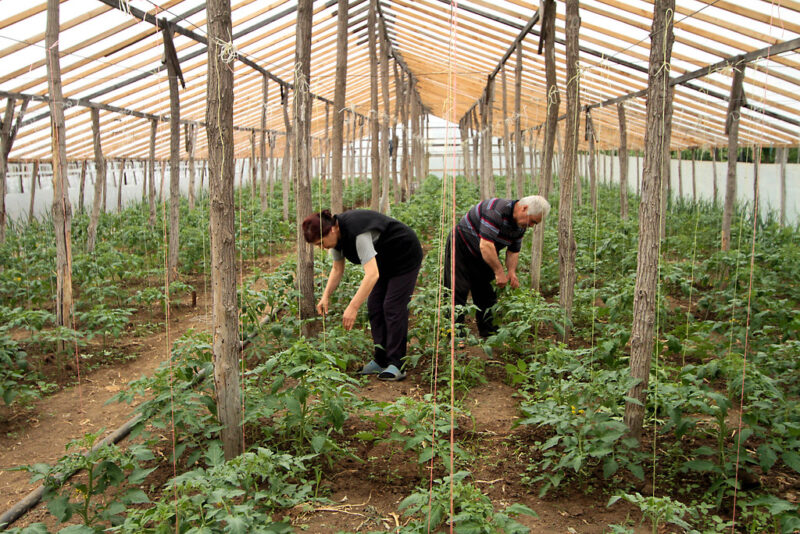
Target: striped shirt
[(492, 220)]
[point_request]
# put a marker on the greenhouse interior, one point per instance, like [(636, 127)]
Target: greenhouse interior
[(405, 266)]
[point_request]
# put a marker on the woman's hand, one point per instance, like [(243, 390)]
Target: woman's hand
[(322, 305), (349, 317)]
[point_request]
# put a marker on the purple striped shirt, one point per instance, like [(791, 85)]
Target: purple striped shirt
[(492, 220)]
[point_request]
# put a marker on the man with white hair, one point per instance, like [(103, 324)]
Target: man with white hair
[(482, 233)]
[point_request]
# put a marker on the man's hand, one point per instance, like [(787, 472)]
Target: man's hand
[(500, 278), (513, 280), (349, 317), (322, 306)]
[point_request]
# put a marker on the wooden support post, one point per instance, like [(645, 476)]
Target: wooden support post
[(82, 186), (263, 146), (756, 177), (34, 176), (219, 119), (190, 140), (62, 208), (509, 172), (783, 155), (8, 132), (566, 238), (694, 178), (120, 183), (151, 193), (395, 146), (100, 178), (656, 143), (375, 159), (714, 154), (302, 162), (732, 130), (287, 153), (548, 16), (519, 170), (623, 162)]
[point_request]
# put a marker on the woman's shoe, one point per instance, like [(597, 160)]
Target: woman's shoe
[(392, 374), (372, 368)]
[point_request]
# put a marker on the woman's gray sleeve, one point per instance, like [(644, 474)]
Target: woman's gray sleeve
[(365, 246)]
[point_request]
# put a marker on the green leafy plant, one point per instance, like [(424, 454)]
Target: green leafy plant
[(107, 468), (474, 512)]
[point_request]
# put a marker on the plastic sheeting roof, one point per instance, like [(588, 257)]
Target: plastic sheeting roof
[(111, 57)]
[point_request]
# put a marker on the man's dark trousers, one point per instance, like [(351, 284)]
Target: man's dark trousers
[(472, 274)]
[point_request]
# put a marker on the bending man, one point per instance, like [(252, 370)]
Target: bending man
[(480, 235)]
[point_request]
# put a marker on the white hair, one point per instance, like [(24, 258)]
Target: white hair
[(536, 205)]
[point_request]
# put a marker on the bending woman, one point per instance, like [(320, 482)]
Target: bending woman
[(391, 256)]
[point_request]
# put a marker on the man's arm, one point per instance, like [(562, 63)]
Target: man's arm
[(489, 255), (371, 276), (512, 260)]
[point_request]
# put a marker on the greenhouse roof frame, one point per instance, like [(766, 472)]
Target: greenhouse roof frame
[(111, 59)]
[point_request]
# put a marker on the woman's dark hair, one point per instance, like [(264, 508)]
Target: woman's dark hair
[(317, 225)]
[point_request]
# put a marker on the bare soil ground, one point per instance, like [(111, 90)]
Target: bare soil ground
[(364, 495)]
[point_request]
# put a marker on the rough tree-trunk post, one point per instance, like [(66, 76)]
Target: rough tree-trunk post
[(190, 138), (462, 130), (509, 174), (263, 146), (385, 124), (714, 154), (151, 178), (756, 169), (7, 135), (398, 91), (659, 107), (62, 209), (519, 171), (82, 186), (219, 129), (120, 182), (100, 177), (302, 160), (488, 132), (592, 162), (566, 238), (173, 74), (553, 102), (475, 125), (623, 162), (272, 165), (406, 162), (375, 128), (783, 154), (732, 130), (287, 154), (253, 166), (694, 179), (34, 176)]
